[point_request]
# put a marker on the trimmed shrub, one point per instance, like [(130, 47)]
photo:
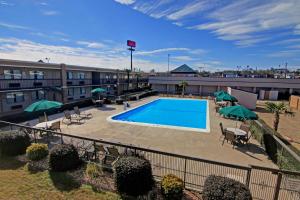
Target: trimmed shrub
[(218, 187), (37, 151), (133, 176), (13, 143), (271, 146), (93, 170), (63, 157), (172, 187)]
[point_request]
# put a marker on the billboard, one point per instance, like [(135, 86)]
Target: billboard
[(131, 43)]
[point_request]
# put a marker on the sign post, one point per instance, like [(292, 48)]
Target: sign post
[(131, 44)]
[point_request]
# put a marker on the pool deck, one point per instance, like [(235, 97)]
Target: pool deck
[(190, 143)]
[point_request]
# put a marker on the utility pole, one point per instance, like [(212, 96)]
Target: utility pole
[(286, 69), (168, 63)]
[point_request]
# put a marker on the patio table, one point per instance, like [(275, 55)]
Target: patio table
[(237, 131), (221, 103), (44, 125)]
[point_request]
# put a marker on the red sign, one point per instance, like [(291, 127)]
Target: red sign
[(131, 43)]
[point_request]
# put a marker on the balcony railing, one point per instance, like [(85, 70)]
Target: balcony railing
[(77, 82), (9, 84)]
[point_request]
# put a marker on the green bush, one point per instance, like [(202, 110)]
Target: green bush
[(63, 157), (93, 170), (37, 151), (271, 146), (172, 187), (133, 176), (13, 143), (217, 187)]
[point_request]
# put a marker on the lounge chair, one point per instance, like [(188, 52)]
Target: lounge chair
[(71, 118), (55, 126), (113, 155), (81, 114), (100, 153)]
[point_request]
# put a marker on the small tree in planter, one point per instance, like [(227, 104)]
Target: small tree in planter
[(218, 187), (133, 176), (277, 109)]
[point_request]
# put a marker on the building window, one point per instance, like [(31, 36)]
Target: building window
[(15, 97), (71, 92), (69, 75), (38, 95), (82, 90), (12, 74), (36, 75), (81, 75)]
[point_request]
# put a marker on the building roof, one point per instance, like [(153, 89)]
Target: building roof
[(184, 69)]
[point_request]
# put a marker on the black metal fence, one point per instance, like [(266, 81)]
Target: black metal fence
[(264, 183)]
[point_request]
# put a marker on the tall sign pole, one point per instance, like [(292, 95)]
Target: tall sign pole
[(131, 44)]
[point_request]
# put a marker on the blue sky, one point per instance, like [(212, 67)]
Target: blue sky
[(214, 34)]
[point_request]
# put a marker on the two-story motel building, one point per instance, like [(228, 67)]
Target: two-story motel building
[(23, 82)]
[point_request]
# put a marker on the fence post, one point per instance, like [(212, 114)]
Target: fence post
[(184, 175), (95, 151), (248, 177), (61, 139), (277, 187), (34, 134)]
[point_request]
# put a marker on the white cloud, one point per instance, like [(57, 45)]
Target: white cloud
[(245, 22), (5, 3), (182, 58), (188, 10), (13, 48), (126, 2), (285, 53), (160, 51), (13, 26), (96, 45), (50, 12)]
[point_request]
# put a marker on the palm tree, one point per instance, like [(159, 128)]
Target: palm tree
[(277, 109), (183, 85)]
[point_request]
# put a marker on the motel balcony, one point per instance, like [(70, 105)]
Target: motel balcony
[(77, 82), (10, 84)]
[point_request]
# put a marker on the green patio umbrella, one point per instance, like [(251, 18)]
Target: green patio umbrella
[(217, 93), (226, 97), (98, 90), (43, 105), (238, 112)]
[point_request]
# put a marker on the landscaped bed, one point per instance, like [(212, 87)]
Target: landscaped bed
[(18, 183)]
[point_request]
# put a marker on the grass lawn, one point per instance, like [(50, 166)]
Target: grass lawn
[(17, 183)]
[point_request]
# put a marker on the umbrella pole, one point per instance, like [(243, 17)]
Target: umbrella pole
[(45, 115)]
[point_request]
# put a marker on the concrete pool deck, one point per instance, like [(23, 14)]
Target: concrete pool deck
[(190, 143)]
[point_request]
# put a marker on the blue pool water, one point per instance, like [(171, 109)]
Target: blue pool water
[(185, 113)]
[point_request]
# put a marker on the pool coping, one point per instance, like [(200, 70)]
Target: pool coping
[(206, 130)]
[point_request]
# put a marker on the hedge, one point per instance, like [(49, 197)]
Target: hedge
[(172, 187), (37, 151), (13, 143), (218, 187), (133, 176), (63, 157)]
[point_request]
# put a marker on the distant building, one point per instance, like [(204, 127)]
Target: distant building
[(183, 70)]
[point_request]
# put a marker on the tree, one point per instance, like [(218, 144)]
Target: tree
[(277, 109), (183, 85)]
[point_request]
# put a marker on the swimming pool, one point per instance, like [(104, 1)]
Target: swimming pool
[(187, 114)]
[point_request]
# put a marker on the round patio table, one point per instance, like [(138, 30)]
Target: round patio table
[(237, 131)]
